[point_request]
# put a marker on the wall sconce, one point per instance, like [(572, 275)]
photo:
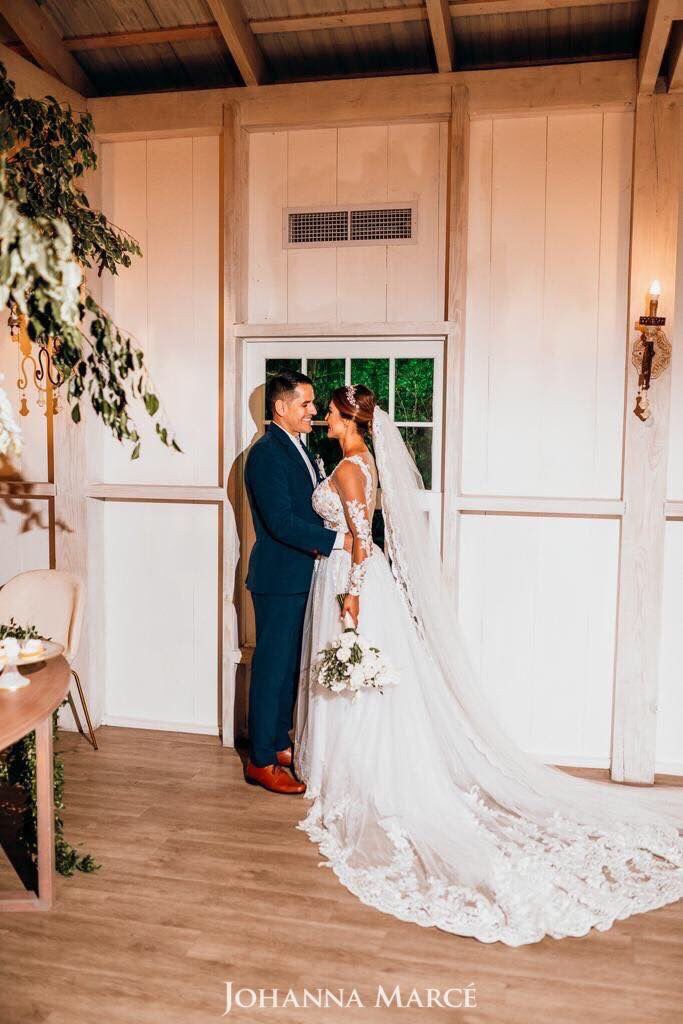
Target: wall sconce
[(45, 378), (651, 352)]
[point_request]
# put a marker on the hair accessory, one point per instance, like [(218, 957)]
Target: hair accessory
[(351, 395)]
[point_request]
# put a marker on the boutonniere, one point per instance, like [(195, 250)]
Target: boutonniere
[(321, 466)]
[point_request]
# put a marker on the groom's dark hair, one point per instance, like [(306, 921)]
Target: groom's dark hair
[(283, 385)]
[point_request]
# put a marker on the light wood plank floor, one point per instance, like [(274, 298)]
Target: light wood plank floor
[(206, 880)]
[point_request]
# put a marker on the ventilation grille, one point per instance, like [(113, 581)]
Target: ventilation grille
[(318, 226), (381, 225), (354, 225)]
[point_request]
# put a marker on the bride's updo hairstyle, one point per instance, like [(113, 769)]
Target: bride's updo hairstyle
[(357, 403)]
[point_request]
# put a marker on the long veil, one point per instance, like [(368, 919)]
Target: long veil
[(503, 776)]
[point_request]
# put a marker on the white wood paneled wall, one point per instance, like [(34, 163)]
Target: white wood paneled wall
[(330, 166), (161, 559), (670, 697), (546, 306), (548, 247)]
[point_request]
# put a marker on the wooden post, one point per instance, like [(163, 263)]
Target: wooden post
[(456, 294), (45, 814), (641, 561), (233, 311)]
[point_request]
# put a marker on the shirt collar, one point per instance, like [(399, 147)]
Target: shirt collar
[(294, 438)]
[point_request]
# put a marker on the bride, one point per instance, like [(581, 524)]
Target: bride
[(422, 805)]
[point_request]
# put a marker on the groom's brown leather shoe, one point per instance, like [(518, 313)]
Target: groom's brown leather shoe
[(274, 778), (285, 757)]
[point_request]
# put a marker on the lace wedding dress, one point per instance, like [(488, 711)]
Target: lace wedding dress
[(422, 804)]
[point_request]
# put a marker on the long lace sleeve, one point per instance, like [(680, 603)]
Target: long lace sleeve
[(350, 480)]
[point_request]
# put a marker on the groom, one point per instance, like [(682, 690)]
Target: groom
[(280, 476)]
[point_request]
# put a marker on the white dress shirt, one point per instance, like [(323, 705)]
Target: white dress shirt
[(296, 441)]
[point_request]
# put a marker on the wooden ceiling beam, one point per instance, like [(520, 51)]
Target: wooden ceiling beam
[(658, 21), (240, 40), (44, 44), (314, 22), (342, 19), (441, 28), (676, 59), (144, 37)]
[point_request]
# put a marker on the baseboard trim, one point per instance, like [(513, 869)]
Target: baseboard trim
[(147, 723)]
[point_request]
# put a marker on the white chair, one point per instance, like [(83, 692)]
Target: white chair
[(53, 602)]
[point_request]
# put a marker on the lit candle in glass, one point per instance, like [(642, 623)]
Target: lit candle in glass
[(655, 292)]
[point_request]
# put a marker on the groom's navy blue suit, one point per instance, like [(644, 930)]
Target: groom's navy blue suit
[(289, 535)]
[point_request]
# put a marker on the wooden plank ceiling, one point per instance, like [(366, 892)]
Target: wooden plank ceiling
[(113, 47)]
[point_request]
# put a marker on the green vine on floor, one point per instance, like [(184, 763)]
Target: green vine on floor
[(18, 768)]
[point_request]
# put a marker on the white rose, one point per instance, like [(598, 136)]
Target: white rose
[(343, 654), (356, 677), (347, 639)]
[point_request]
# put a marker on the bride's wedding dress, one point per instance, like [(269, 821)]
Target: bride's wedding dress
[(422, 805)]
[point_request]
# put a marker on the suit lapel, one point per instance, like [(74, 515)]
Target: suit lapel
[(281, 438)]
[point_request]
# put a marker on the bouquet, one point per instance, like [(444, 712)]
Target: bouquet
[(351, 663)]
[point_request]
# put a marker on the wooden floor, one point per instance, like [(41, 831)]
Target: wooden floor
[(206, 880)]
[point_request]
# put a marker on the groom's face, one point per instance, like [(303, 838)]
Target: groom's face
[(298, 413)]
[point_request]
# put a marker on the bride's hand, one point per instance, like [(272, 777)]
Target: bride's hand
[(352, 606)]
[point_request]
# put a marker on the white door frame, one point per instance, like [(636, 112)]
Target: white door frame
[(254, 355)]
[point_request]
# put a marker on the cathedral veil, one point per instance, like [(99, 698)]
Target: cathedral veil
[(504, 774)]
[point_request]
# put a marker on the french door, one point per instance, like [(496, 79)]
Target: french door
[(406, 375)]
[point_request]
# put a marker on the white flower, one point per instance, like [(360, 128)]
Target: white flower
[(356, 677), (348, 639), (343, 654)]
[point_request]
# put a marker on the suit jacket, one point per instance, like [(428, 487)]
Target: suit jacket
[(289, 533)]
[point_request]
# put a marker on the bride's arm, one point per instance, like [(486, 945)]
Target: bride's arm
[(349, 481)]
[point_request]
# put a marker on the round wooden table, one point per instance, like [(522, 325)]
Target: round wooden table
[(22, 711)]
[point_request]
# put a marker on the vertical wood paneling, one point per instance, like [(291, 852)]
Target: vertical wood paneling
[(161, 628), (311, 180), (267, 276), (24, 536), (328, 166), (479, 314), (670, 693), (544, 657), (413, 291), (675, 335), (168, 192), (362, 177), (124, 200), (515, 384), (568, 397), (615, 219), (547, 278)]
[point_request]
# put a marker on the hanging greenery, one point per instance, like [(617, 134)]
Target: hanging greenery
[(44, 150), (18, 768)]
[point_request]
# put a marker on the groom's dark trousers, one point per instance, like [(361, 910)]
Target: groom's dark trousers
[(289, 536)]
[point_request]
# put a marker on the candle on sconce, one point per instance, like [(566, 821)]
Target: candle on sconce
[(655, 292)]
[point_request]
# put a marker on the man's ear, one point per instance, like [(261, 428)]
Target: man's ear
[(279, 406)]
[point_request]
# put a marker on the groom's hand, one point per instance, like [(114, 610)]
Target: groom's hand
[(348, 542)]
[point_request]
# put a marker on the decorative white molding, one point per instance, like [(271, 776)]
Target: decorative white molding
[(203, 729), (155, 492)]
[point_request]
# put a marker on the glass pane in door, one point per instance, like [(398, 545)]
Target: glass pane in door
[(374, 373), (274, 366), (326, 374), (419, 442), (414, 390)]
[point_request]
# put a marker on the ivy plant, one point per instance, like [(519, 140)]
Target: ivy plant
[(45, 148), (18, 768)]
